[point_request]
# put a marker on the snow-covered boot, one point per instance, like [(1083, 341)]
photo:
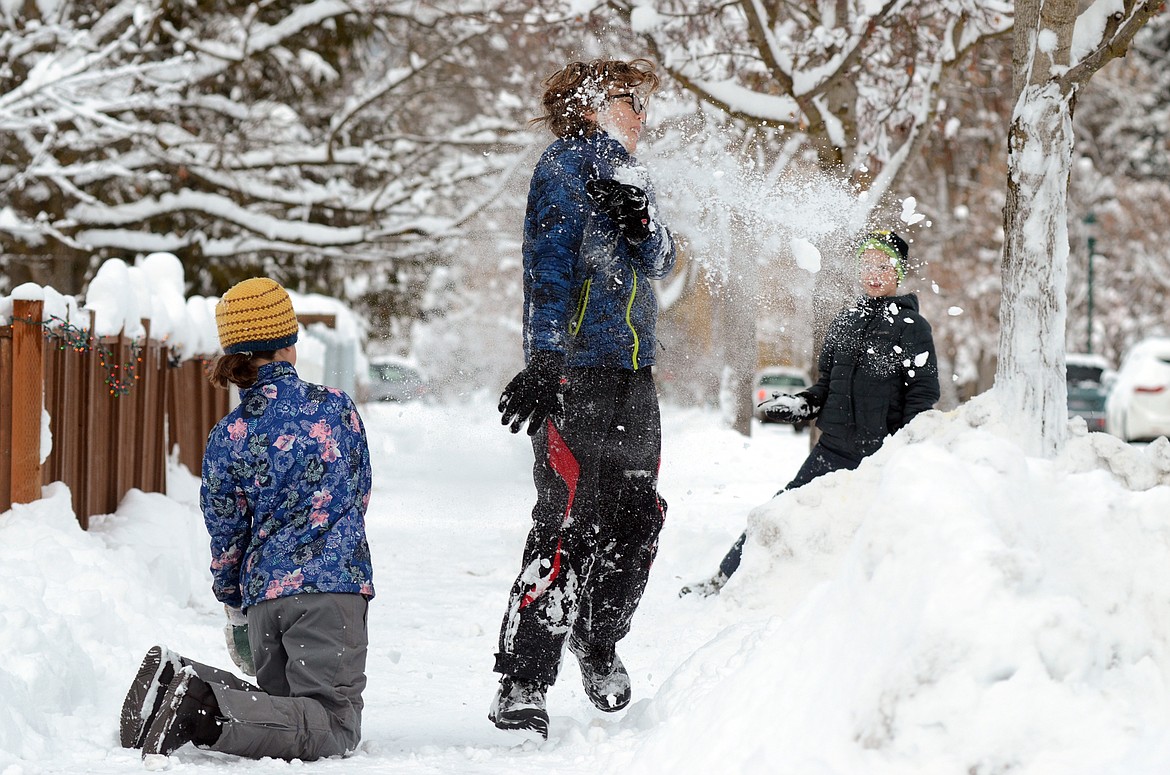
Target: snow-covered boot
[(705, 588), (519, 706), (188, 715), (603, 675), (146, 694)]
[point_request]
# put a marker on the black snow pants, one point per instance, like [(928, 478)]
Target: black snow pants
[(595, 525)]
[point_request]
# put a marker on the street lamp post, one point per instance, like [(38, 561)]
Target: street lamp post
[(1090, 220)]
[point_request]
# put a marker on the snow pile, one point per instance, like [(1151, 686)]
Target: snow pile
[(950, 607), (76, 603), (121, 296), (54, 304)]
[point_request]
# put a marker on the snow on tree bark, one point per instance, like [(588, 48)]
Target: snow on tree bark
[(1052, 58), (1030, 374)]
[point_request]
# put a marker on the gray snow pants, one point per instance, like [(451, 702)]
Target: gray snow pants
[(310, 654)]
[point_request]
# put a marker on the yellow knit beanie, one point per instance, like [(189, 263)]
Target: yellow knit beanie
[(255, 315)]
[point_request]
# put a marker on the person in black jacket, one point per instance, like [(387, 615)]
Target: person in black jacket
[(878, 371)]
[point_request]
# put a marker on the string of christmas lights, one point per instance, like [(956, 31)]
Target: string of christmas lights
[(120, 376)]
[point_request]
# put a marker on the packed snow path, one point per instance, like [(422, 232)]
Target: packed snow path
[(447, 522)]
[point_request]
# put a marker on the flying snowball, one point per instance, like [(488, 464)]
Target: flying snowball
[(644, 19), (806, 254), (909, 217)]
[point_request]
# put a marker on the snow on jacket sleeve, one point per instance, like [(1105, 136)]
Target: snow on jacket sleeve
[(919, 369), (654, 257), (820, 390)]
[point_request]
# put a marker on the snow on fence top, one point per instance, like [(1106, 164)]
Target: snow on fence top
[(122, 295)]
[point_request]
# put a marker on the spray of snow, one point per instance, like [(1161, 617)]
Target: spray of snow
[(733, 206)]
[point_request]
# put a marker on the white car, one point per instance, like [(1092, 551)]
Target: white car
[(777, 379), (1138, 407), (395, 379)]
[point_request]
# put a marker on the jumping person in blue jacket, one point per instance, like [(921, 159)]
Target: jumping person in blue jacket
[(286, 483), (593, 241)]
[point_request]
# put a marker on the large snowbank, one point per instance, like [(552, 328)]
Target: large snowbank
[(951, 607)]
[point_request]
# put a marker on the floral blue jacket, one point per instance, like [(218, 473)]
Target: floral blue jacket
[(587, 290), (286, 483)]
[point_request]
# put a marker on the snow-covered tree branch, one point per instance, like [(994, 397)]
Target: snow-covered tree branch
[(857, 79), (284, 134)]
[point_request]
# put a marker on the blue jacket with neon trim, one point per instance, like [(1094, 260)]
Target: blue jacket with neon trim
[(286, 483), (587, 290)]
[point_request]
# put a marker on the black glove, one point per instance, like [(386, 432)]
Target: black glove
[(627, 205), (534, 393), (782, 407)]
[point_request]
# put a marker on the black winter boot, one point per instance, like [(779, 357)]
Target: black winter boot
[(188, 715), (519, 706), (603, 675), (146, 694)]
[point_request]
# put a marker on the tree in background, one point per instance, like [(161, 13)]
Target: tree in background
[(269, 137), (1118, 199), (331, 145), (1050, 65)]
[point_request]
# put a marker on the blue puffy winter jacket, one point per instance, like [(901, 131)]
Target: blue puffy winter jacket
[(286, 482), (587, 290)]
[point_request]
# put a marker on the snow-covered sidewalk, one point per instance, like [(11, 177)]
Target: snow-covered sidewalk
[(452, 492)]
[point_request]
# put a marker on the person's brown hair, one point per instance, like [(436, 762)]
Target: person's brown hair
[(581, 87), (239, 369)]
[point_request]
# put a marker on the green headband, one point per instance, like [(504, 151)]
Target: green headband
[(873, 243)]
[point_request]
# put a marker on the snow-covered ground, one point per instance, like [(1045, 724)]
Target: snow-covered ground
[(951, 607)]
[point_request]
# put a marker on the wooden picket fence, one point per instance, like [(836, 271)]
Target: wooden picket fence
[(117, 409)]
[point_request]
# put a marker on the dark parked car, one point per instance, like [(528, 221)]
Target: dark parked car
[(1088, 377), (392, 379)]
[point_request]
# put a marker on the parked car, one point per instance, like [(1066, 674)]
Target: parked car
[(1138, 407), (393, 379), (777, 379), (1088, 377)]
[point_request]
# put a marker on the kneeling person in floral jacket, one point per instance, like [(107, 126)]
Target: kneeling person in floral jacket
[(286, 483)]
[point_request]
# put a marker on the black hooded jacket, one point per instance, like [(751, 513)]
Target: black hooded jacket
[(878, 370)]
